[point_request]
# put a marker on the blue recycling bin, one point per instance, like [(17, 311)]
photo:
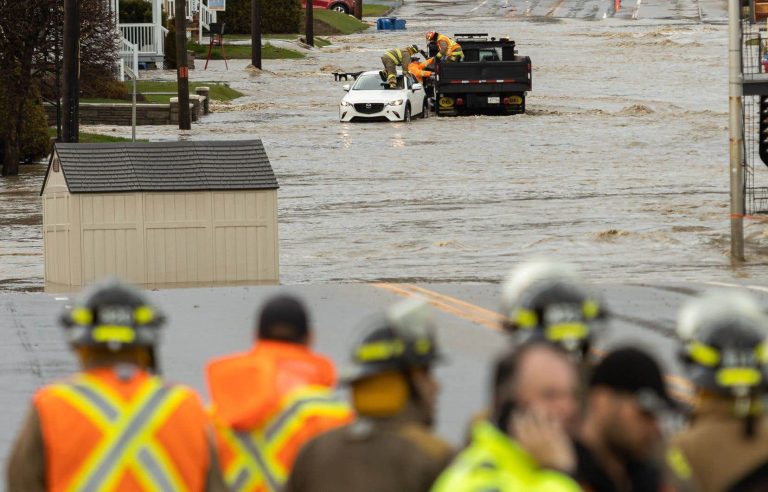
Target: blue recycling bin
[(384, 24), (390, 24)]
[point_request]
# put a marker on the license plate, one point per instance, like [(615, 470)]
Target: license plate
[(493, 100)]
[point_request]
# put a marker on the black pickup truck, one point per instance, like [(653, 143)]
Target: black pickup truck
[(491, 78)]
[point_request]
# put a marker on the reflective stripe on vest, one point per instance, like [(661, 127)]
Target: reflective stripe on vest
[(397, 58), (128, 429), (257, 464)]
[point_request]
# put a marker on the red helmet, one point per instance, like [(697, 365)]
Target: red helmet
[(430, 35)]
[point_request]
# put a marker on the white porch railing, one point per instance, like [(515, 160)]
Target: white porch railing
[(129, 59), (206, 16), (144, 36)]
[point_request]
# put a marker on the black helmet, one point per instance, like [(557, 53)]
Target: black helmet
[(112, 314), (400, 340), (549, 300), (725, 337)]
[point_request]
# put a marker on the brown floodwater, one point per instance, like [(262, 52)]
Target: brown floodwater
[(620, 164)]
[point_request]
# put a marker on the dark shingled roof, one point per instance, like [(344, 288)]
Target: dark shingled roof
[(166, 166)]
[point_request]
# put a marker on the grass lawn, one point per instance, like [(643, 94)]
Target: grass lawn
[(95, 137), (243, 52), (375, 10), (341, 23), (219, 92)]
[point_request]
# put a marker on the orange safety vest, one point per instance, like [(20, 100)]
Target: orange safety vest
[(266, 404), (107, 434), (417, 69)]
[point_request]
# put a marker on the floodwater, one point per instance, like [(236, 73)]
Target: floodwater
[(620, 165)]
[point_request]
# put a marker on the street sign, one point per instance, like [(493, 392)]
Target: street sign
[(218, 5)]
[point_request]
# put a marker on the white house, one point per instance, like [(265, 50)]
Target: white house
[(145, 42)]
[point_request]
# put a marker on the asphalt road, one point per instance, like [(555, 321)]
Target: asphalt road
[(206, 322)]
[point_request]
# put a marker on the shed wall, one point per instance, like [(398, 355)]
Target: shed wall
[(56, 227), (159, 238)]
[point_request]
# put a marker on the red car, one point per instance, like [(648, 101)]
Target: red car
[(343, 6)]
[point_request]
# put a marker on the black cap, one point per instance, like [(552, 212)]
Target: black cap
[(287, 312), (632, 371)]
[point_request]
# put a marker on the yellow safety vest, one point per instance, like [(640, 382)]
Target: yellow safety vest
[(261, 460), (495, 462)]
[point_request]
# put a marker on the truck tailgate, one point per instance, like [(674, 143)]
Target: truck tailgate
[(485, 76)]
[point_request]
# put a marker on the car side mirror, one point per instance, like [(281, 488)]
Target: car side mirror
[(345, 87), (416, 87)]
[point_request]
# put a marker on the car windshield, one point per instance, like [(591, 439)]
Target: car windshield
[(373, 82)]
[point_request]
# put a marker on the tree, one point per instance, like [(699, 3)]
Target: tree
[(23, 29), (30, 41)]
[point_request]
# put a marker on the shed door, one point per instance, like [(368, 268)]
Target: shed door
[(111, 237)]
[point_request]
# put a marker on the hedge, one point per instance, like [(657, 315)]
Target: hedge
[(277, 17)]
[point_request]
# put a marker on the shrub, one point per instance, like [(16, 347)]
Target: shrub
[(135, 11), (35, 142), (278, 16)]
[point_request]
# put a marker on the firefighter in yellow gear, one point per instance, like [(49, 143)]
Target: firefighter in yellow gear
[(725, 446), (447, 49), (397, 58)]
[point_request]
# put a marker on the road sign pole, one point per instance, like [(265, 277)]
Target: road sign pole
[(736, 129)]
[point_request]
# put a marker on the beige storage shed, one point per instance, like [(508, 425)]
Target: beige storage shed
[(160, 213)]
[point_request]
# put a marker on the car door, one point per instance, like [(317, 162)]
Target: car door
[(415, 97)]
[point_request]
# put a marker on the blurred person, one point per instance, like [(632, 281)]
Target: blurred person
[(525, 445), (725, 448), (115, 425), (620, 434), (390, 447), (396, 58), (549, 300), (448, 50), (270, 400)]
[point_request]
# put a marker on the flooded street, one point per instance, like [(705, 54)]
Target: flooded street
[(620, 165)]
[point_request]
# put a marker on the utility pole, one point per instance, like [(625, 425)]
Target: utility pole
[(182, 70), (256, 33), (358, 9), (736, 129), (310, 27), (71, 130)]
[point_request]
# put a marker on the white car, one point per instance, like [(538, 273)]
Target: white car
[(371, 99)]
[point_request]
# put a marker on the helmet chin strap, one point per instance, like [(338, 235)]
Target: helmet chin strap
[(417, 398)]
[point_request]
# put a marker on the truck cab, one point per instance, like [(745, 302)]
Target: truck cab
[(492, 78)]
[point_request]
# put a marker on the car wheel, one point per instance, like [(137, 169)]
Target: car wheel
[(425, 109), (407, 115), (341, 8)]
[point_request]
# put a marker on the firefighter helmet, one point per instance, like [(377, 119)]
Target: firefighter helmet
[(725, 337), (545, 299), (399, 340), (431, 35), (112, 314)]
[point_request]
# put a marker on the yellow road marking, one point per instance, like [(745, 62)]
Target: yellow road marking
[(481, 316)]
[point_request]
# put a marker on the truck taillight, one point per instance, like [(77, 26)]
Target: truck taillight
[(459, 101), (529, 68), (506, 101)]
